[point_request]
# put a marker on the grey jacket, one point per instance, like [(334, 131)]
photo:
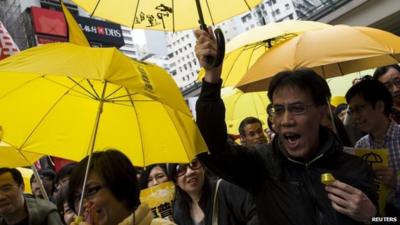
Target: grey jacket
[(40, 212)]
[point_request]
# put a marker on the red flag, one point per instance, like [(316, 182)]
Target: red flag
[(7, 45)]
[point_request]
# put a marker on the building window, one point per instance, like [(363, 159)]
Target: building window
[(273, 1), (287, 6), (277, 11)]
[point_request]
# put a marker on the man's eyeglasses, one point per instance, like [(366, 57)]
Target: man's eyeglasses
[(277, 110), (182, 168), (356, 109), (91, 191), (392, 83)]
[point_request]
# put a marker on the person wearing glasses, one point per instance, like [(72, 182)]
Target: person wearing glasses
[(201, 200), (284, 177), (390, 77), (370, 105), (112, 192), (153, 175), (16, 209)]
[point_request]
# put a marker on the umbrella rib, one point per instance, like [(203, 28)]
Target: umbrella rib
[(183, 127), (91, 94), (20, 86), (340, 68), (122, 96), (209, 12), (119, 88), (94, 91), (230, 70), (95, 8), (138, 121), (391, 55), (251, 55), (63, 85), (247, 4), (134, 18), (45, 115), (173, 16), (117, 101)]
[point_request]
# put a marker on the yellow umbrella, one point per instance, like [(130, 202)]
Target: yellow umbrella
[(244, 50), (66, 100), (240, 105), (165, 15), (333, 51)]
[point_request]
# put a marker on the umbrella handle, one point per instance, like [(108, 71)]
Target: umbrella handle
[(217, 60)]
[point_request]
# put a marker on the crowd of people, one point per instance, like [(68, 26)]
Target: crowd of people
[(273, 176)]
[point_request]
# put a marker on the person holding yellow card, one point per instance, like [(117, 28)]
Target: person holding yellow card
[(370, 105)]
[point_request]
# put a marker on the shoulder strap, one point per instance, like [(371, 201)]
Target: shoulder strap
[(215, 205)]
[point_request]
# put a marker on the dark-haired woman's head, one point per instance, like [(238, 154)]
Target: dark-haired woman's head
[(153, 175), (112, 191), (189, 177)]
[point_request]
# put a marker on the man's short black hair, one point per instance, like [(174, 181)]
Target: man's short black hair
[(305, 80), (372, 91), (45, 173), (245, 121), (383, 69), (16, 175), (118, 174)]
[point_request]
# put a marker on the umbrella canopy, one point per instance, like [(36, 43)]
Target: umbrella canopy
[(11, 157), (240, 105), (333, 51), (244, 50), (165, 15), (66, 100)]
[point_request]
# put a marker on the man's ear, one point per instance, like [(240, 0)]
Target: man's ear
[(242, 140), (380, 106)]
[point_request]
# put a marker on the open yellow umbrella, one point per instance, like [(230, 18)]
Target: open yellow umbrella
[(333, 51), (244, 50), (240, 105), (67, 100), (165, 15)]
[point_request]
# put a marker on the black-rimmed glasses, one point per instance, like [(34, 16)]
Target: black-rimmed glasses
[(182, 168), (277, 110)]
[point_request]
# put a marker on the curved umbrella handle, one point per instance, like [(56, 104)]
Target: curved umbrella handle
[(217, 60)]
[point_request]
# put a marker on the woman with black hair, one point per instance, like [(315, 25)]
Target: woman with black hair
[(153, 175), (112, 192), (204, 201)]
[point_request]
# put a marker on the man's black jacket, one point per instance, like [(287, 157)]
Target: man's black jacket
[(285, 191)]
